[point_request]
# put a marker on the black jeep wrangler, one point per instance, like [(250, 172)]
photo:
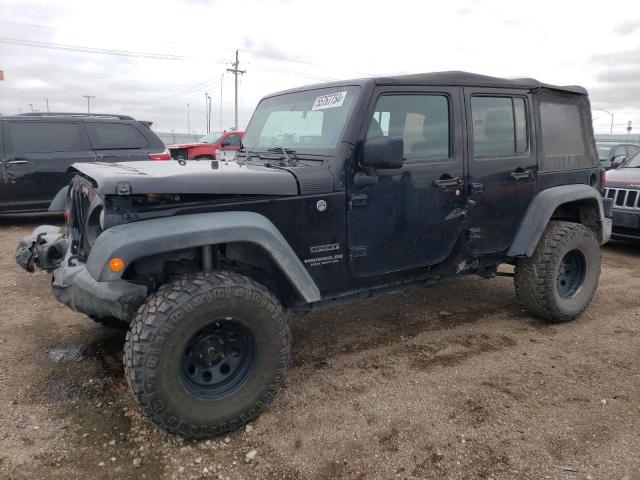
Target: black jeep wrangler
[(340, 191)]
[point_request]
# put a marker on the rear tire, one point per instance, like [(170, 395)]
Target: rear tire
[(559, 280), (206, 353)]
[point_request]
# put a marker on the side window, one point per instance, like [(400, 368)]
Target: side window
[(114, 136), (42, 137), (421, 120), (620, 152), (499, 126), (232, 140)]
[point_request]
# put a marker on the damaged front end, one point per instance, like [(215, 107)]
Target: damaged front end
[(45, 248), (64, 252)]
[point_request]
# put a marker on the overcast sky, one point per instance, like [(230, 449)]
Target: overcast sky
[(286, 43)]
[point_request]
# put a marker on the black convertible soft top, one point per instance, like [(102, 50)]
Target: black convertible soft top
[(452, 78), (459, 78)]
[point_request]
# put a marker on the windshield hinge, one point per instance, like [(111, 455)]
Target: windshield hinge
[(357, 200)]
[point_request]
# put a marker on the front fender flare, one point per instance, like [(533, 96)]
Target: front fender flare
[(539, 213), (132, 241), (58, 202)]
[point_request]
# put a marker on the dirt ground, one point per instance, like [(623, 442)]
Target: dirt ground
[(447, 381)]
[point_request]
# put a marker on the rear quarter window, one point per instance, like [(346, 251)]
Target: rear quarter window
[(565, 135), (115, 136)]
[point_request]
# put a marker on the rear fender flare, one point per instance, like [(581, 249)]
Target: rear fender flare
[(540, 211), (149, 237)]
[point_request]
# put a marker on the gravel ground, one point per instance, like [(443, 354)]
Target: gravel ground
[(447, 381)]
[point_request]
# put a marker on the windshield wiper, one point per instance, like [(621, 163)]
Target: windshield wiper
[(289, 154)]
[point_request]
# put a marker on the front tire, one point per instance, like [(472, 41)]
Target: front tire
[(206, 353), (559, 280)]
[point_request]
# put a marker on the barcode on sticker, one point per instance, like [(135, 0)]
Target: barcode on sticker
[(332, 100)]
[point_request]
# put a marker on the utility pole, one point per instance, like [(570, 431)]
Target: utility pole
[(47, 100), (207, 115), (209, 109), (88, 97), (188, 120), (236, 72), (31, 105), (220, 118)]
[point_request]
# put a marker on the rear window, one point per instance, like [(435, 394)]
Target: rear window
[(43, 137), (115, 136)]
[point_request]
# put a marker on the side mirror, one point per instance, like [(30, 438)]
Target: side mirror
[(383, 152), (616, 162)]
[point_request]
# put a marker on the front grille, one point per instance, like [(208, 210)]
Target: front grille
[(177, 153), (81, 196), (624, 198)]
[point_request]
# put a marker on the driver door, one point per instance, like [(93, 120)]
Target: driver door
[(412, 216)]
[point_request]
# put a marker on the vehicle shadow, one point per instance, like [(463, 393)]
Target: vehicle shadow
[(623, 245)]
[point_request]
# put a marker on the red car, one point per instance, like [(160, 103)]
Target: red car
[(212, 145)]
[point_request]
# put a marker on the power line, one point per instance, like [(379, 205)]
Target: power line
[(79, 48), (31, 25)]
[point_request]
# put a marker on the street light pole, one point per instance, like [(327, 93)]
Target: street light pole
[(47, 100), (88, 97), (608, 113), (188, 120)]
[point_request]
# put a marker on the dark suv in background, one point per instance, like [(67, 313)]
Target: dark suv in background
[(36, 149)]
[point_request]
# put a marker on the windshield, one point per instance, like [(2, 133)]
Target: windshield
[(603, 150), (211, 137), (311, 120), (633, 162)]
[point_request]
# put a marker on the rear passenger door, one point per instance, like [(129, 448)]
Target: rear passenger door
[(502, 166), (36, 157), (117, 141)]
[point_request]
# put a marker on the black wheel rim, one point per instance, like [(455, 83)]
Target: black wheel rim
[(218, 358), (571, 273)]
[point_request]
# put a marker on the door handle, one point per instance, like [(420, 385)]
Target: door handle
[(17, 161), (446, 181), (520, 174)]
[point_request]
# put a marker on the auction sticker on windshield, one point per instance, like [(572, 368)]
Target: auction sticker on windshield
[(332, 100)]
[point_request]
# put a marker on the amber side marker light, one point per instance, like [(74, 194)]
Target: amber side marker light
[(116, 264)]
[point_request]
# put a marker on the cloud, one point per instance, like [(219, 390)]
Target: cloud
[(628, 27)]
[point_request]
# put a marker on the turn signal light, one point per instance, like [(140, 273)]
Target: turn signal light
[(116, 264)]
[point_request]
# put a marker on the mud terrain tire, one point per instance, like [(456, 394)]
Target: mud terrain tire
[(559, 280), (207, 353)]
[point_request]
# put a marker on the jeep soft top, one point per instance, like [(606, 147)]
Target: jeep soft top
[(340, 191)]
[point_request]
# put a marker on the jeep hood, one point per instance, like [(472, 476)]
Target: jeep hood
[(623, 177), (198, 177)]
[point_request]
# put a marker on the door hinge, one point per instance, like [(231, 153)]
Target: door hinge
[(475, 233), (355, 252), (357, 200)]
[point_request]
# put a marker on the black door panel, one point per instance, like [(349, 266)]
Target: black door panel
[(502, 166), (412, 216), (37, 156)]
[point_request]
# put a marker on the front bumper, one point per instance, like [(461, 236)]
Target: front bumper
[(626, 223), (72, 283)]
